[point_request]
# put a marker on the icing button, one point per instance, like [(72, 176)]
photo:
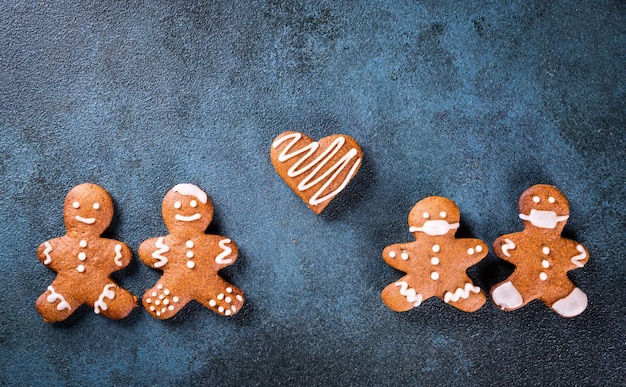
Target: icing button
[(545, 263), (434, 275), (543, 276), (436, 248), (434, 261)]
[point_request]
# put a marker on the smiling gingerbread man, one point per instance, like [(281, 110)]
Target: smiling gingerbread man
[(436, 262), (542, 257), (189, 258), (84, 261)]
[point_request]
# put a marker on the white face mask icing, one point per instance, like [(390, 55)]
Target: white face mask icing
[(435, 227), (543, 219)]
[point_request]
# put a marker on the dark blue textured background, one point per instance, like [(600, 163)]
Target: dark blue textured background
[(472, 102)]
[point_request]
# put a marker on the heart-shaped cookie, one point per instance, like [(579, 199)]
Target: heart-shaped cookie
[(316, 170)]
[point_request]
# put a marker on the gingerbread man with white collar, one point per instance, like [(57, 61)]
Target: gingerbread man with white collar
[(542, 257), (189, 258), (84, 261), (436, 262)]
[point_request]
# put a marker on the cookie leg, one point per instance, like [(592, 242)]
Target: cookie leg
[(507, 297), (114, 302), (400, 296), (164, 301), (571, 305), (56, 304), (468, 298), (223, 298)]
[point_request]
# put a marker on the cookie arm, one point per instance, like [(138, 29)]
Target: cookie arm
[(227, 252), (152, 252), (476, 250), (506, 247), (580, 258), (122, 255), (399, 255), (45, 253)]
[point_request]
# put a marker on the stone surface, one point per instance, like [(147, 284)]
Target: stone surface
[(472, 102)]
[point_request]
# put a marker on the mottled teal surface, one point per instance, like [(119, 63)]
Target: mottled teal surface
[(472, 102)]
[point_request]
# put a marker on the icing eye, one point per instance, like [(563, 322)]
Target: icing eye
[(426, 215), (193, 204), (536, 199), (177, 204), (96, 206), (443, 214), (76, 205), (551, 199)]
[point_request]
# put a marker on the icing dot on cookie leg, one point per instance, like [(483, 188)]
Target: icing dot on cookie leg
[(163, 310), (148, 300), (212, 303), (166, 292), (227, 312), (158, 313), (221, 309), (229, 290), (152, 308), (159, 286), (220, 296), (175, 299), (239, 297), (233, 308), (166, 301), (153, 294), (228, 300), (161, 296), (171, 307), (157, 302)]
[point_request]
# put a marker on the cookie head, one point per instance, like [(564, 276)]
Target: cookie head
[(88, 208), (433, 216), (544, 206), (187, 207)]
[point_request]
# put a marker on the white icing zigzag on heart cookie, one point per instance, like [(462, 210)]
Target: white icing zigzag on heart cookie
[(317, 165)]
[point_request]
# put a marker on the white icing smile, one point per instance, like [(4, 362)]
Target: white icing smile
[(543, 219), (435, 227), (189, 218), (85, 220)]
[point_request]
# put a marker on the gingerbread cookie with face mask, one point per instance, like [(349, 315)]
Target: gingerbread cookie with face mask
[(542, 257), (189, 258), (84, 261), (436, 262)]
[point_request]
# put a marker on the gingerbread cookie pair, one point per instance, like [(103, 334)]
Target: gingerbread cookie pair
[(189, 258), (436, 262)]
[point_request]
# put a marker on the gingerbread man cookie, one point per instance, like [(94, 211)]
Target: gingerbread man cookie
[(542, 257), (436, 262), (316, 170), (189, 258), (84, 261)]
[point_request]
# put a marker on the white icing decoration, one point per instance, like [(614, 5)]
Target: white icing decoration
[(509, 245), (46, 252), (434, 261), (404, 255), (577, 258), (81, 268), (320, 161), (410, 293), (435, 227), (193, 204), (162, 248), (545, 250), (436, 248), (118, 255), (191, 264), (106, 293), (572, 305), (392, 254), (82, 243), (543, 219), (212, 303), (470, 251), (189, 254), (82, 256), (434, 276), (463, 292), (220, 296), (506, 296), (227, 312), (536, 199), (239, 297), (189, 218), (543, 276), (443, 214), (426, 215), (85, 220), (76, 205), (177, 204), (220, 309), (545, 263), (551, 199), (221, 258), (191, 190), (229, 290), (479, 248), (189, 244), (54, 296), (96, 206)]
